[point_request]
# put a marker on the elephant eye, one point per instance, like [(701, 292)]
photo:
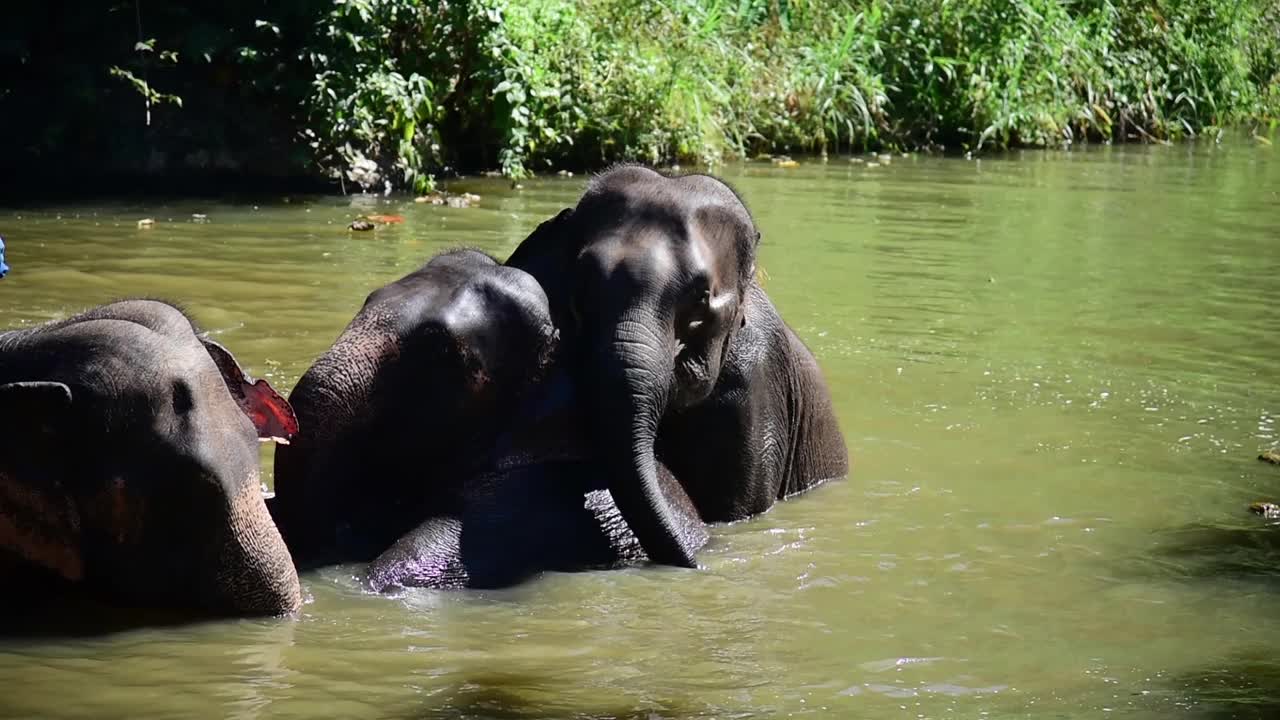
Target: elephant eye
[(575, 311), (700, 310), (697, 293), (183, 400), (579, 290)]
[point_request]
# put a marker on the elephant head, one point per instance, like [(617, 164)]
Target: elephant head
[(129, 463), (409, 397), (538, 505), (652, 274)]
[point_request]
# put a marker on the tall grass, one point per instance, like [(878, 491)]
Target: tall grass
[(410, 85), (394, 92), (1043, 72)]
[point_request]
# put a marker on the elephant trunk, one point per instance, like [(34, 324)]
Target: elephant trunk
[(332, 403), (633, 373), (255, 575)]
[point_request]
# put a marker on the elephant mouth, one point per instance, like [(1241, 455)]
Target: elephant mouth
[(693, 379), (525, 461)]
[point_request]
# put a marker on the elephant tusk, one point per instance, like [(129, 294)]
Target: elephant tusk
[(275, 439), (719, 301)]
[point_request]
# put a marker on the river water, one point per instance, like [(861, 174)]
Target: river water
[(1054, 372)]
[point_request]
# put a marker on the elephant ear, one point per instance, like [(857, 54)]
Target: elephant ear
[(37, 404), (548, 255), (39, 521), (270, 413), (548, 244)]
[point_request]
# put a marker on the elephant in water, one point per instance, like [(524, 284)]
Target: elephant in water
[(541, 503), (688, 363), (440, 439), (129, 466)]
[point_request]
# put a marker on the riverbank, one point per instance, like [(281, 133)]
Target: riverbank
[(401, 93), (251, 190)]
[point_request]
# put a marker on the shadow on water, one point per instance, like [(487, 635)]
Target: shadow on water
[(1241, 688), (71, 615), (1243, 685), (490, 698), (1248, 551), (1246, 547)]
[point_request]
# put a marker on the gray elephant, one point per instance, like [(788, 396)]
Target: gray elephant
[(540, 504), (652, 281), (440, 440), (405, 404), (129, 466)]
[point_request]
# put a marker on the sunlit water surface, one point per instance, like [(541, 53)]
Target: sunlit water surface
[(1054, 373)]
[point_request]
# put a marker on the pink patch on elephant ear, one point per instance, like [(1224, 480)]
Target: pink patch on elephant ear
[(42, 526), (270, 413)]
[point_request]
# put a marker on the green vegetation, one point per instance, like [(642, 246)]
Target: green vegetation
[(382, 92)]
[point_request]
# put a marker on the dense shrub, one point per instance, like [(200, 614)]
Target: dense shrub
[(530, 84), (1042, 72), (545, 82), (389, 93)]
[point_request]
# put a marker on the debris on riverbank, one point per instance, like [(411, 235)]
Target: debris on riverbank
[(460, 200), (369, 222), (1268, 510)]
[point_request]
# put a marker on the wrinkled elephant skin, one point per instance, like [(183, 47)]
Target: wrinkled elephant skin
[(129, 469), (541, 506), (406, 404), (688, 363)]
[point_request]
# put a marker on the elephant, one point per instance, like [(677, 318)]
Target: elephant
[(129, 466), (540, 505), (405, 404), (652, 280), (441, 441)]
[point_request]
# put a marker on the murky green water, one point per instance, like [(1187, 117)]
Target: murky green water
[(1054, 373)]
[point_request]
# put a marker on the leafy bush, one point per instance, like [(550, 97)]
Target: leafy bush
[(374, 107), (531, 85), (1041, 72), (390, 93), (401, 86)]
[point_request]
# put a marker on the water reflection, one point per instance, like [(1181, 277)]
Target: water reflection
[(61, 613), (1054, 371), (495, 697), (261, 671), (1241, 687), (1217, 552)]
